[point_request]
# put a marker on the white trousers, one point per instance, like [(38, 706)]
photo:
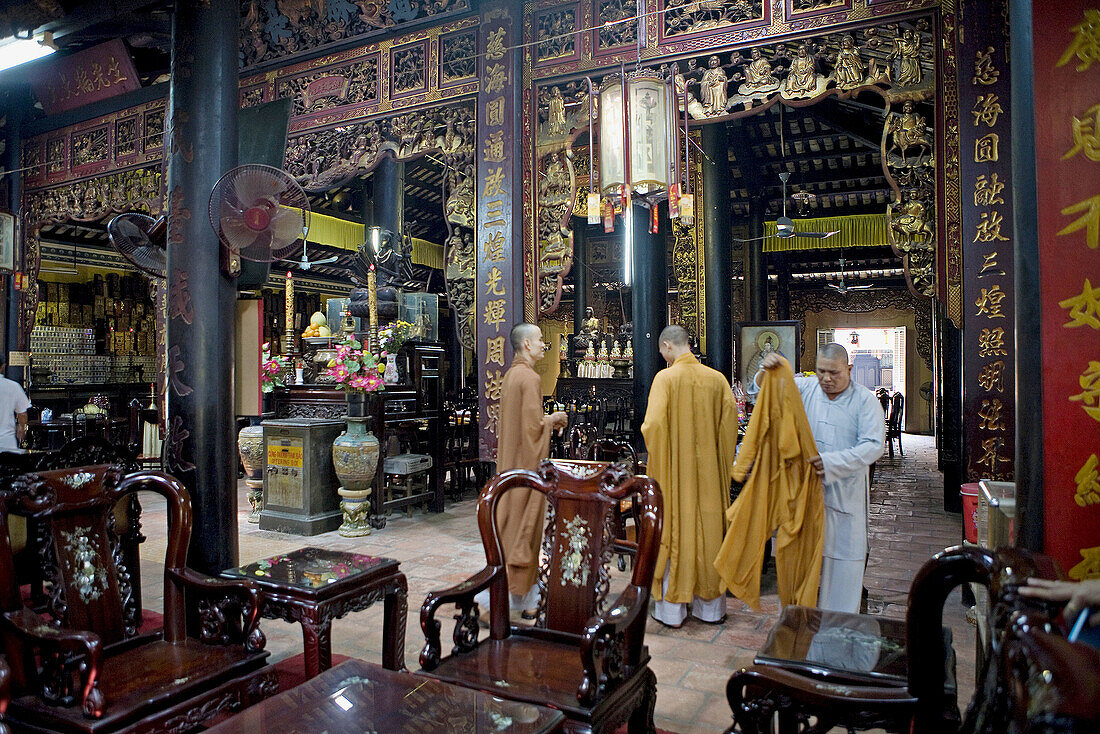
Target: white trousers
[(671, 613), (517, 602), (841, 585)]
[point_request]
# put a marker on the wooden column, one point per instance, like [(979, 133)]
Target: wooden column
[(202, 146), (580, 274), (756, 274), (949, 427), (783, 288), (389, 196), (717, 252), (648, 304)]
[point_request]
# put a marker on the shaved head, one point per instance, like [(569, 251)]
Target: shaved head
[(832, 350), (523, 331), (674, 335)]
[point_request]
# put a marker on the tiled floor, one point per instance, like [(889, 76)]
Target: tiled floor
[(692, 663)]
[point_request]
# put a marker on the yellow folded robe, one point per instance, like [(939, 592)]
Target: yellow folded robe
[(783, 491)]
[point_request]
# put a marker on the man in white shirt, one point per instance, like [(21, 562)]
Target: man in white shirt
[(849, 429), (13, 410)]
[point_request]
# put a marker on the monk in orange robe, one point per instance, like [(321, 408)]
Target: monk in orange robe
[(783, 491), (690, 432), (524, 440)]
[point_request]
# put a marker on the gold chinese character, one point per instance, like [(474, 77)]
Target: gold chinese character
[(1090, 220), (494, 48), (990, 267), (493, 382), (1090, 390), (494, 313), (494, 285), (493, 183), (986, 109), (985, 148), (991, 343), (1086, 135), (989, 228), (498, 77), (495, 111), (991, 377), (1088, 483), (987, 191), (1083, 309), (492, 413), (494, 350), (984, 72), (991, 415), (494, 147), (494, 214), (1086, 46), (494, 247), (1089, 567), (989, 302), (991, 453)]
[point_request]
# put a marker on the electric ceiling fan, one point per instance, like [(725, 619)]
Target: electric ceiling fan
[(784, 226), (843, 287)]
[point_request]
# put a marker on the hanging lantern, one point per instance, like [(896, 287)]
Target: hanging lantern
[(648, 133), (593, 207), (687, 209)]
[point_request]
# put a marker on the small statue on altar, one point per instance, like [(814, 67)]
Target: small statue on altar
[(616, 353), (591, 323)]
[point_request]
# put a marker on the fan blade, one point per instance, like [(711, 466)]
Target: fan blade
[(816, 235), (237, 233), (834, 285), (751, 239), (326, 260), (260, 249), (286, 231), (859, 287), (254, 185)]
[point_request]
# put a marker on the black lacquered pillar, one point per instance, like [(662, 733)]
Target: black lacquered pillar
[(649, 304), (756, 275), (717, 254), (580, 273), (202, 146), (389, 196)]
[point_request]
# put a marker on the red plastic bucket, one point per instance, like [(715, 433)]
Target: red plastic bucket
[(969, 494)]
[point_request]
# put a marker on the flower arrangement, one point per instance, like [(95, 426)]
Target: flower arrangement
[(393, 335), (271, 369), (355, 370)]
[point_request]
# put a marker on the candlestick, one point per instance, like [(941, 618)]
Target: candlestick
[(372, 301), (289, 336)]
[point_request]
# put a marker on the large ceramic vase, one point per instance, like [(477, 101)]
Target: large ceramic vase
[(355, 455), (250, 446)]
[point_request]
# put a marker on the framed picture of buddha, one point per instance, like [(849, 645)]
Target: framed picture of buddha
[(753, 340)]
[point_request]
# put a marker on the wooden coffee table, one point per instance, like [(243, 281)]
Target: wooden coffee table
[(314, 586), (357, 696)]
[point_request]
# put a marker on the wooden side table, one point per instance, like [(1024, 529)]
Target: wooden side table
[(314, 586)]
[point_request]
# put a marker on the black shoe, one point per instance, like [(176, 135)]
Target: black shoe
[(720, 620), (529, 614)]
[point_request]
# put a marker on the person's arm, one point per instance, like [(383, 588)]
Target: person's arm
[(1078, 595), (20, 427), (870, 443)]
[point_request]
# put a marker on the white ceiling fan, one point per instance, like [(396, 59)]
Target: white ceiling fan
[(843, 287), (305, 263), (784, 226)]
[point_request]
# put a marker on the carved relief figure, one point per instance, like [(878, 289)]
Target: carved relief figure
[(459, 207), (850, 70), (907, 53), (911, 226), (759, 76), (801, 81), (555, 118), (713, 87), (908, 130)]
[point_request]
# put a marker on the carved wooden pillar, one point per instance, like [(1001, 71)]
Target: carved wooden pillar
[(499, 184), (756, 275), (17, 101), (580, 273), (648, 303), (389, 196), (717, 252), (949, 427), (202, 147)]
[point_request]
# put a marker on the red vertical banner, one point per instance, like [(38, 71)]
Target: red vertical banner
[(499, 300), (985, 186), (1067, 152)]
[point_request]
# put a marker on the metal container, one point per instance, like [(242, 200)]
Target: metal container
[(299, 477), (996, 514)]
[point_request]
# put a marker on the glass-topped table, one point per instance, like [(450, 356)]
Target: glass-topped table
[(314, 586), (850, 646)]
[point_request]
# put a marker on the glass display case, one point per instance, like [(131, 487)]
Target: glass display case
[(422, 311)]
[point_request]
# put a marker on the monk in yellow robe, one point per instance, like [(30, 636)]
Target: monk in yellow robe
[(524, 440), (783, 492), (690, 432)]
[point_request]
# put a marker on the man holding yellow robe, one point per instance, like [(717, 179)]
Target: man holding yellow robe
[(524, 440), (690, 432), (782, 492)]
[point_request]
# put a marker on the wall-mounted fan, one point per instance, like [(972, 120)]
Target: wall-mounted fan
[(259, 213), (142, 240), (784, 226), (842, 287)]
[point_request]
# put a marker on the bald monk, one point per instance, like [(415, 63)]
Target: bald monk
[(690, 431), (524, 440)]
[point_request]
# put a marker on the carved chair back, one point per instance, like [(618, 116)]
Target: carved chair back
[(610, 450), (83, 557), (577, 543)]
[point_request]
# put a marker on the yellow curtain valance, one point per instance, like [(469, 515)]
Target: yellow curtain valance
[(345, 235), (858, 230)]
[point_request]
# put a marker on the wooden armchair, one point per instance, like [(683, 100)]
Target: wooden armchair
[(893, 423), (581, 656), (84, 668), (875, 672), (619, 452)]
